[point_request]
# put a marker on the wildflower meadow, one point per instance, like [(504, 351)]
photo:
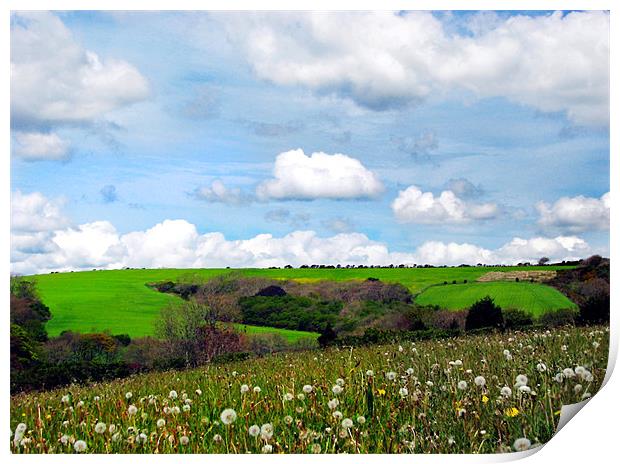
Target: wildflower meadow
[(477, 394)]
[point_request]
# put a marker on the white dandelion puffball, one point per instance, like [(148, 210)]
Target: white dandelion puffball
[(391, 375), (100, 427), (340, 382), (161, 423), (336, 389), (522, 444), (429, 383), (316, 448), (506, 352), (112, 428), (361, 420), (400, 349), (307, 389), (198, 391), (559, 377), (521, 380), (142, 438), (480, 381), (333, 404), (128, 395), (578, 388), (462, 385), (580, 370), (568, 373), (228, 416), (301, 396), (525, 389), (245, 389), (458, 362), (175, 410), (588, 377), (506, 392), (132, 410), (186, 407), (96, 398), (64, 439), (267, 449), (288, 420), (65, 398), (347, 423), (80, 446), (254, 430), (410, 371), (256, 389), (173, 395), (541, 367), (403, 392), (288, 397), (184, 440), (337, 415), (595, 345), (217, 438), (369, 373), (586, 395), (266, 431)]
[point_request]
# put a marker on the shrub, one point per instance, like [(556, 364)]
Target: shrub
[(484, 313), (559, 317), (448, 320), (516, 318), (327, 337), (595, 309)]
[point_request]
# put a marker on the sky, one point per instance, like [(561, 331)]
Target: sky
[(242, 139)]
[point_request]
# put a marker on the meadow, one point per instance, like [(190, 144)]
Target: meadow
[(475, 394), (120, 301), (537, 298)]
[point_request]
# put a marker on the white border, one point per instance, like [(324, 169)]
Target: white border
[(591, 436)]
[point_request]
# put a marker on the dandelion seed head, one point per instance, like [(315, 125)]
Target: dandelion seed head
[(347, 423), (403, 392), (172, 395), (266, 449), (80, 446), (217, 438), (128, 395), (337, 415), (541, 367), (391, 375), (254, 430), (506, 392), (462, 385), (161, 423), (132, 410), (228, 416), (369, 373), (184, 440), (307, 389), (288, 397), (245, 389), (257, 390), (100, 427), (340, 382), (315, 448), (336, 389), (522, 444), (480, 381)]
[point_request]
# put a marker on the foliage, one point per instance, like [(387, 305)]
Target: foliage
[(484, 313), (395, 421), (516, 318), (558, 318)]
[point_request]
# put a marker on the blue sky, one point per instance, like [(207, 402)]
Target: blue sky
[(200, 102)]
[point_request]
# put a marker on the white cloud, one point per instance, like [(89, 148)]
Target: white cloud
[(383, 60), (54, 80), (575, 214), (33, 212), (34, 146), (297, 176), (217, 192), (413, 205)]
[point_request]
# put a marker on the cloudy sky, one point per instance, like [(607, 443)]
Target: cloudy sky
[(256, 139)]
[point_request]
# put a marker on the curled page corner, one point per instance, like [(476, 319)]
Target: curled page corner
[(569, 411)]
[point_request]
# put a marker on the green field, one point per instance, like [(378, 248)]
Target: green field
[(535, 298), (120, 301), (401, 403), (290, 336)]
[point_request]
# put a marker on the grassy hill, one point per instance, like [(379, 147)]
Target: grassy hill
[(537, 298), (120, 301)]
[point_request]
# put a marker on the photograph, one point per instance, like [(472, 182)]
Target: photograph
[(306, 231)]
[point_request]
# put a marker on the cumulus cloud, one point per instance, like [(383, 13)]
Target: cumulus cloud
[(575, 214), (53, 244), (217, 192), (413, 205), (297, 176), (55, 81), (33, 212), (35, 146), (420, 146), (381, 60)]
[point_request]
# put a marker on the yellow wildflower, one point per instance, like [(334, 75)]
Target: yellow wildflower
[(512, 412), (485, 399), (381, 391)]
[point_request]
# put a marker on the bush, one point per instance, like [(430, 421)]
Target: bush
[(516, 319), (559, 317), (595, 309), (327, 337), (484, 313)]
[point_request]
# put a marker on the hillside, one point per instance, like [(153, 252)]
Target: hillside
[(120, 301)]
